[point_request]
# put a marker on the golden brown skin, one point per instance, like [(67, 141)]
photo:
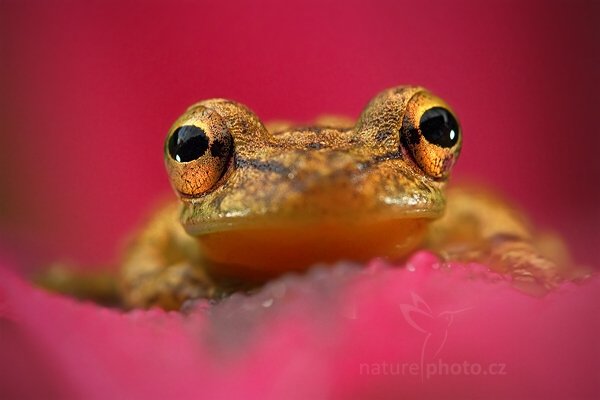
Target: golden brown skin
[(257, 201)]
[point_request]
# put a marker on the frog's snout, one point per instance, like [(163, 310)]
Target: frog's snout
[(325, 171)]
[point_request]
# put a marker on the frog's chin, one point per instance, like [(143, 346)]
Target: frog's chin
[(260, 252)]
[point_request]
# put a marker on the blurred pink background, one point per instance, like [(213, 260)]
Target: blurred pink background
[(89, 89)]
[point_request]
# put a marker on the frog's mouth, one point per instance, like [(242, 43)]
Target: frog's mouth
[(262, 251)]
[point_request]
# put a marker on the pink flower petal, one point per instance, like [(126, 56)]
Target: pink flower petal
[(343, 332)]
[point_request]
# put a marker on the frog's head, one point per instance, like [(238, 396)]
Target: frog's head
[(261, 202)]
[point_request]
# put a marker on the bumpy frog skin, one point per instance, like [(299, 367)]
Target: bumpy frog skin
[(256, 201)]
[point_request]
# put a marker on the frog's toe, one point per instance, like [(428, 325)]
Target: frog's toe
[(169, 288), (525, 265)]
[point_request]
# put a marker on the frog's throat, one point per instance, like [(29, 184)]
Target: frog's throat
[(260, 252)]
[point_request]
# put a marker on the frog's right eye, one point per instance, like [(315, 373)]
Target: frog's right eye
[(188, 143), (198, 151)]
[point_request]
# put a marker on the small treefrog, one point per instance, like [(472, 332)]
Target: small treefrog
[(258, 200)]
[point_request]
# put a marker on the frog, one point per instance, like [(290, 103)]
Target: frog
[(256, 200)]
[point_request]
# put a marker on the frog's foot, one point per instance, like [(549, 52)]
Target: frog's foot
[(97, 284), (524, 264), (518, 259), (168, 287)]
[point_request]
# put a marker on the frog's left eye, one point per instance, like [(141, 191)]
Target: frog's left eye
[(198, 150), (431, 134)]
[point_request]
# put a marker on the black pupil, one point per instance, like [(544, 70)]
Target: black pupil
[(439, 127), (187, 143)]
